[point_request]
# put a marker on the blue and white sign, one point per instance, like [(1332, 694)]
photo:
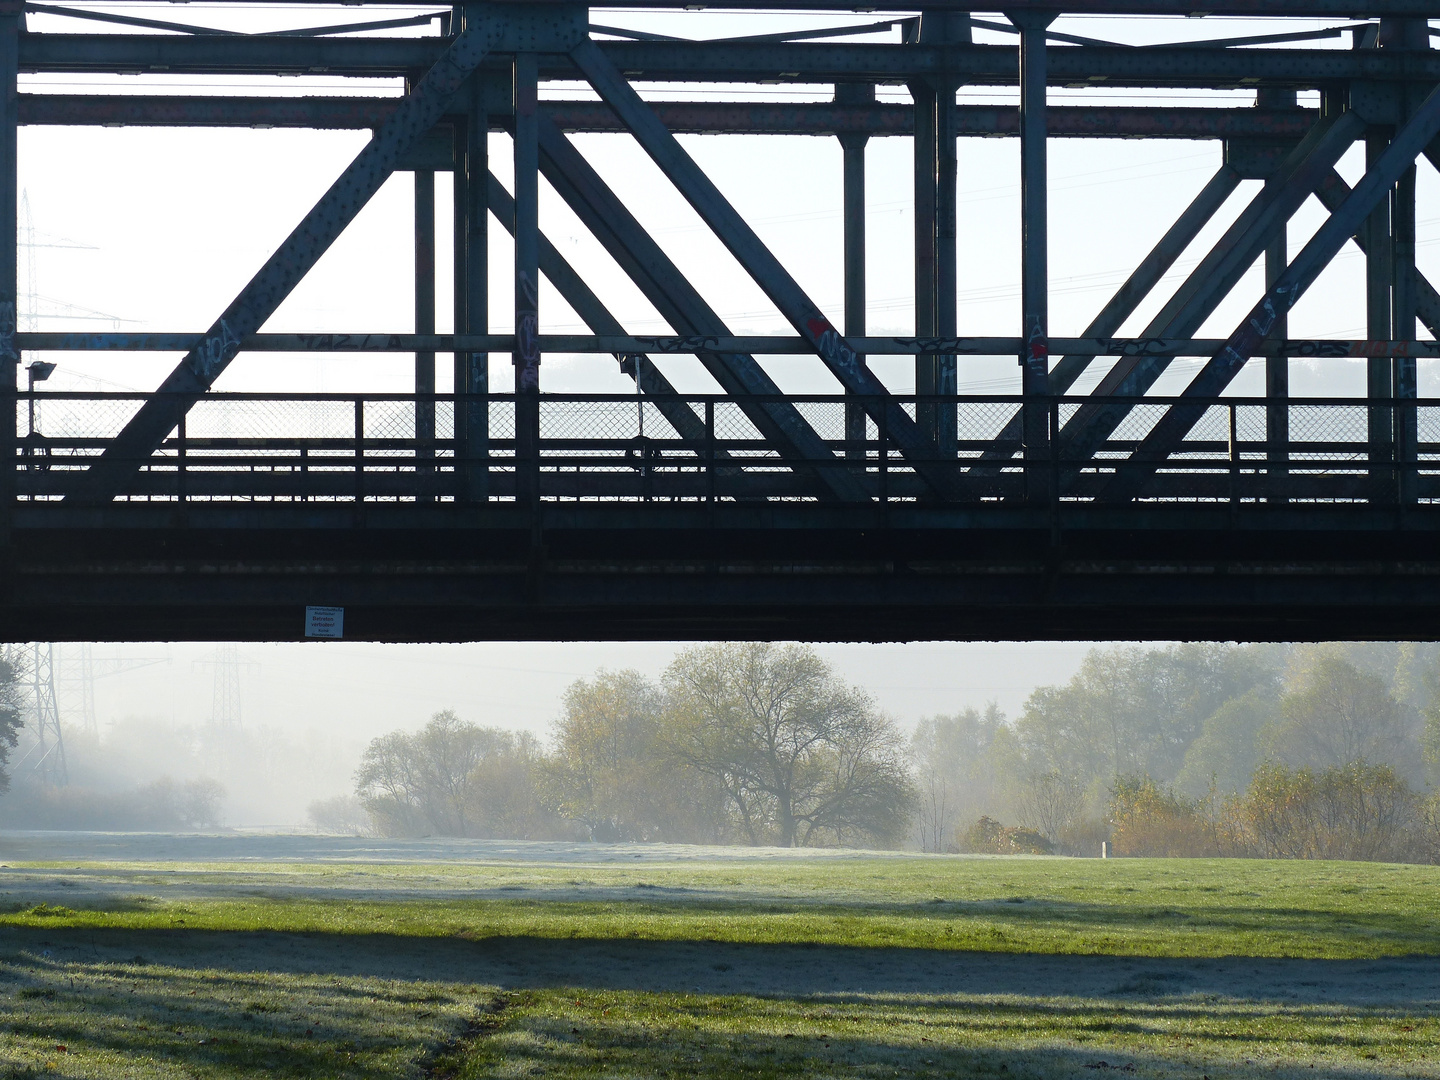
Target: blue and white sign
[(324, 622)]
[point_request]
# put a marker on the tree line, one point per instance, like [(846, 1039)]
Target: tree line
[(1311, 751), (748, 743), (1267, 750), (1290, 751)]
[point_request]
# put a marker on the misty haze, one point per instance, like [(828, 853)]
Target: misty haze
[(1173, 750)]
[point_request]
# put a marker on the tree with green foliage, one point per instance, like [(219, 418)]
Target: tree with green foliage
[(801, 757), (1150, 820), (605, 757), (1132, 711), (1335, 715), (1225, 753), (1352, 811), (611, 769), (453, 778), (12, 717), (955, 772)]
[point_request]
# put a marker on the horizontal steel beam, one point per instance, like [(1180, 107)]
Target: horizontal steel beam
[(1267, 8), (1321, 348), (737, 62), (1180, 8), (395, 472), (683, 117), (642, 571), (1338, 404), (1064, 121)]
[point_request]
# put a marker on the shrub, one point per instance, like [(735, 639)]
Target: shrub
[(1147, 820), (1427, 830), (1355, 811), (988, 837), (343, 815), (161, 806)]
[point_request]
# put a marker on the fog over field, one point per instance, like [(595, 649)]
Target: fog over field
[(308, 710)]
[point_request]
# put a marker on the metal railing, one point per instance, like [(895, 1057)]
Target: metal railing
[(365, 448)]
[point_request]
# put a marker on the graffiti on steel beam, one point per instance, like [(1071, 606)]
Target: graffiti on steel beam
[(929, 345), (694, 343), (217, 350), (1264, 320), (1339, 350), (832, 347), (8, 350), (527, 336), (1156, 346), (354, 342), (1037, 348)]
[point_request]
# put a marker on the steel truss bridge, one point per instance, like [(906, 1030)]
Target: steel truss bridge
[(865, 514)]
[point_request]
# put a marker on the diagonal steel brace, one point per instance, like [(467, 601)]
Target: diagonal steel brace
[(295, 257), (1212, 280), (1122, 305), (1332, 193), (1409, 142), (589, 307), (642, 259), (782, 289)]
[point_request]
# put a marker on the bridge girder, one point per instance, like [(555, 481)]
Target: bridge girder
[(748, 513)]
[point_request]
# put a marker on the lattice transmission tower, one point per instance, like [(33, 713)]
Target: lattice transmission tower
[(44, 761), (225, 702), (79, 669)]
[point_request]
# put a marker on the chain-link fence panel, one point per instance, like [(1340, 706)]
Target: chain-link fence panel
[(732, 425), (826, 417), (222, 418), (1329, 423), (60, 418)]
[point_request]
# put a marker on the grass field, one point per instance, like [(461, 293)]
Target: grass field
[(606, 961)]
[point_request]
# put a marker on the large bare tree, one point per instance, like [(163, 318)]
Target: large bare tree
[(801, 757)]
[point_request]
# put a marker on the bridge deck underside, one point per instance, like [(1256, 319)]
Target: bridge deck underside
[(788, 570)]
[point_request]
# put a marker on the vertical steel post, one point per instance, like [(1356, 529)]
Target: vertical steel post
[(1404, 387), (181, 486), (1410, 34), (424, 324), (852, 146), (1378, 380), (359, 451), (946, 284), (527, 280), (1034, 217), (1234, 454), (935, 228), (1277, 369), (460, 361), (1277, 365), (710, 450), (926, 99), (472, 292), (11, 17)]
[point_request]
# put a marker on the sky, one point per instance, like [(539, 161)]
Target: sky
[(156, 230)]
